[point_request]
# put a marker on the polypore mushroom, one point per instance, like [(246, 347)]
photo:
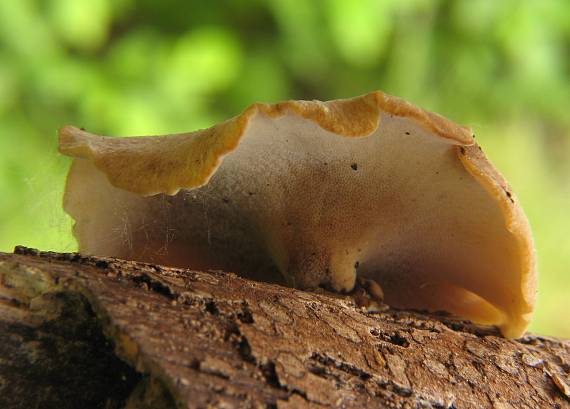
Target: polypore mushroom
[(316, 192)]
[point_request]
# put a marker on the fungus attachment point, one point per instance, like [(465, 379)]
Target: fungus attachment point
[(309, 191)]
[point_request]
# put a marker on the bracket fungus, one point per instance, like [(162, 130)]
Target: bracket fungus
[(315, 193)]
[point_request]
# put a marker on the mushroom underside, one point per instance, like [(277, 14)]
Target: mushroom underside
[(297, 203)]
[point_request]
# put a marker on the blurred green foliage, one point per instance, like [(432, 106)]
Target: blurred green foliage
[(151, 67)]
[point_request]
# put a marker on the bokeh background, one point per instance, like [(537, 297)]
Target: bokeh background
[(122, 67)]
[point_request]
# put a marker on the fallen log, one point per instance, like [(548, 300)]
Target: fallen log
[(78, 331)]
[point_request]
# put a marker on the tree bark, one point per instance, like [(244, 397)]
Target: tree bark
[(93, 332)]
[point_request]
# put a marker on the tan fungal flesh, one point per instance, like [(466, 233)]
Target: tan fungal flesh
[(316, 192)]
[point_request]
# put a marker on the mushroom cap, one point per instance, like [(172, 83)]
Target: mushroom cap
[(316, 192)]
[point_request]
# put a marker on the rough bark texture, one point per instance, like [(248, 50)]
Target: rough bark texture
[(103, 333)]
